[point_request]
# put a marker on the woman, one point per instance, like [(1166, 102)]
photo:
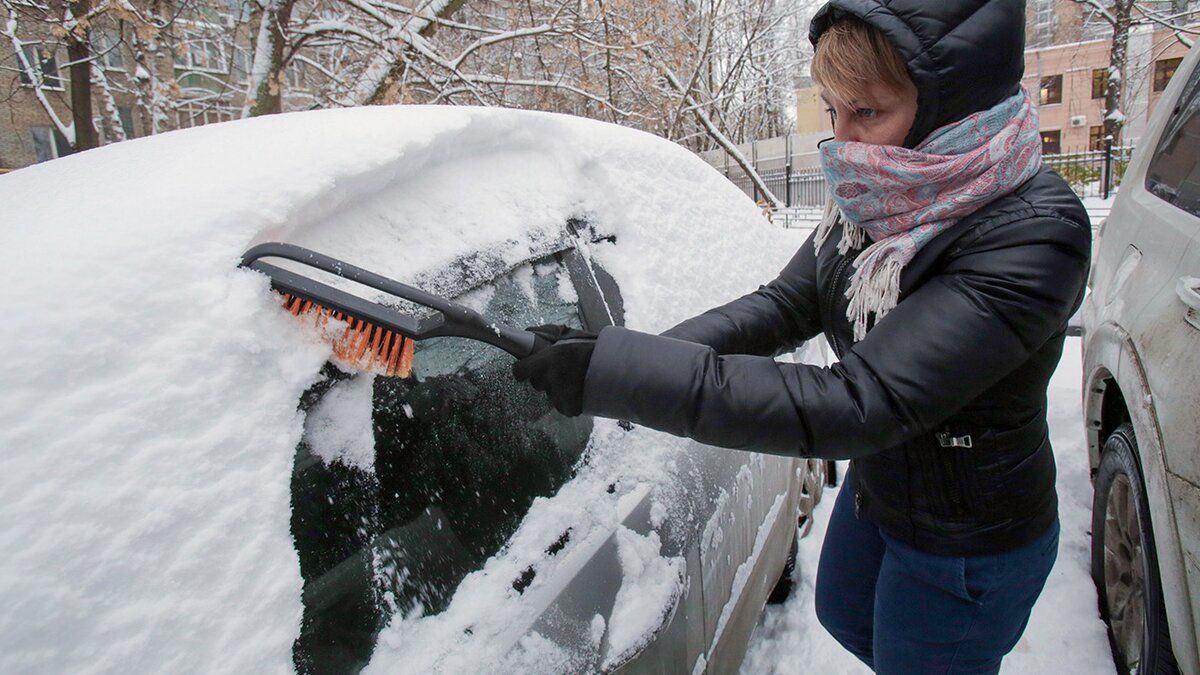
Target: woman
[(943, 275)]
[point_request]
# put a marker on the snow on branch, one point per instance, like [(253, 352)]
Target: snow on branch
[(1181, 32), (1100, 9), (34, 75), (543, 29), (343, 28), (544, 84), (720, 138)]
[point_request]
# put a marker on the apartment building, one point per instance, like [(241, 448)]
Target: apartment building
[(1071, 80), (193, 71), (36, 86), (1066, 68)]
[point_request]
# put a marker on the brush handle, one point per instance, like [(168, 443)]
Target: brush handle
[(449, 318)]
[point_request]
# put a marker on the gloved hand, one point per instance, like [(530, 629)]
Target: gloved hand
[(558, 365)]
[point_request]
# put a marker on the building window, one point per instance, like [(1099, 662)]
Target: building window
[(200, 53), (1096, 137), (125, 114), (196, 83), (1051, 142), (1163, 70), (44, 67), (297, 75), (1044, 23), (241, 65), (1051, 91), (48, 143), (107, 46), (1099, 82), (194, 114), (238, 10)]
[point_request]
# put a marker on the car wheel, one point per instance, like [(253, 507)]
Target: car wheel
[(815, 480), (1125, 564), (783, 587)]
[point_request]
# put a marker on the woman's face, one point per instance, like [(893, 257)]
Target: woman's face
[(879, 115)]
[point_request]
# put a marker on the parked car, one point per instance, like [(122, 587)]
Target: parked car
[(1142, 393), (189, 485)]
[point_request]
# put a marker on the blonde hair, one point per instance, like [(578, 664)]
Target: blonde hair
[(852, 54)]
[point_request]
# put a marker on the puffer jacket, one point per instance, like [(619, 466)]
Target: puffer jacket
[(942, 406)]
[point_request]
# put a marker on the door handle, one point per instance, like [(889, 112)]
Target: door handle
[(1188, 290)]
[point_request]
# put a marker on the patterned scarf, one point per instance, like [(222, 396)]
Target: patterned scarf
[(903, 198)]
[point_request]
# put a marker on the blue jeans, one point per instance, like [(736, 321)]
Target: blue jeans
[(900, 610)]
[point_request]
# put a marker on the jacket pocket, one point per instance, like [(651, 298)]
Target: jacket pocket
[(1006, 465)]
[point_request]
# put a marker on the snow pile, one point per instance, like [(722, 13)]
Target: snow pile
[(148, 418), (339, 427), (650, 583)]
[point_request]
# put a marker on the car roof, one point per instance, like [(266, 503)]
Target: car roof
[(148, 414)]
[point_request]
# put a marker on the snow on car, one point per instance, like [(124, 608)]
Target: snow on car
[(188, 486)]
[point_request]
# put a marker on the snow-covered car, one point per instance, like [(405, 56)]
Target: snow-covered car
[(1141, 391), (187, 484)]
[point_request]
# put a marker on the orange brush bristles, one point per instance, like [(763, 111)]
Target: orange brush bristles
[(360, 345)]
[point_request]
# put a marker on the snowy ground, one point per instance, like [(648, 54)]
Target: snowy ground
[(1064, 622)]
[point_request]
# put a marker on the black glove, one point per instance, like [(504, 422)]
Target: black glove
[(558, 365)]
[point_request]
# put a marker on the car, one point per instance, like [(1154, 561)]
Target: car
[(190, 484), (1141, 393)]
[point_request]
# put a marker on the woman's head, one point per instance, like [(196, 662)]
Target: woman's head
[(962, 55), (864, 83)]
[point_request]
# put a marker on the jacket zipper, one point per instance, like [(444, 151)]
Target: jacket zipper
[(953, 490), (952, 485), (830, 294)]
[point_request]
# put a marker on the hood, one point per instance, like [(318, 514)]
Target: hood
[(963, 55)]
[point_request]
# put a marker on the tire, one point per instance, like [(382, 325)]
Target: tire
[(783, 587), (831, 473), (1125, 563)]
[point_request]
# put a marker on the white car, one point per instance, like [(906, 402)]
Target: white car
[(1141, 387), (188, 486)]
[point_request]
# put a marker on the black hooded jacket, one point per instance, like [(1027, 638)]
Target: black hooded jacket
[(942, 406)]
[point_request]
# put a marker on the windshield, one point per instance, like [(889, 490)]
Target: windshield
[(392, 517)]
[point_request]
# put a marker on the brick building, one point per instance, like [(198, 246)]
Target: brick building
[(1066, 66), (1070, 82), (200, 65), (30, 98)]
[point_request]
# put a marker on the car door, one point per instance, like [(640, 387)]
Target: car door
[(1166, 331), (1176, 343)]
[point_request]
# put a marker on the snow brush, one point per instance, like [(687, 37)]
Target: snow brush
[(377, 337)]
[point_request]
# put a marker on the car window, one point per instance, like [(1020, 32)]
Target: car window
[(1174, 171), (391, 519)]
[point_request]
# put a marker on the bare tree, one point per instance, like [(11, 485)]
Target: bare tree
[(90, 33), (706, 73), (1122, 16), (35, 62)]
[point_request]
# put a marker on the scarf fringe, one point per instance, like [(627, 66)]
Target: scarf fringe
[(853, 236), (875, 288), (829, 218)]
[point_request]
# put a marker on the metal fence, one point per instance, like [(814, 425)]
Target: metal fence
[(1093, 173)]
